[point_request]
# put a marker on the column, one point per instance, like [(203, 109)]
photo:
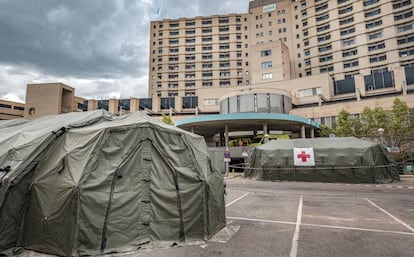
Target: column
[(312, 132), (265, 133), (302, 131)]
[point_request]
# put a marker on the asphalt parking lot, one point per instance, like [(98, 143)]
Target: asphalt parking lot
[(311, 219)]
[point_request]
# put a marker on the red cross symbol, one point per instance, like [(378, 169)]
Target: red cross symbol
[(303, 156)]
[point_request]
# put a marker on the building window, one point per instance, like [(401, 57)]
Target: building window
[(207, 39), (266, 64), (375, 35), (224, 55), (207, 83), (370, 2), (207, 56), (223, 20), (403, 16), (405, 40), (346, 21), (190, 49), (378, 58), (376, 47), (190, 66), (373, 24), (348, 42), (174, 25), (190, 23), (190, 32), (224, 73), (326, 69), (307, 52), (309, 92), (347, 31), (173, 41), (224, 83), (406, 53), (207, 48), (345, 10), (224, 38), (405, 27), (174, 33), (267, 76), (342, 1), (325, 48), (207, 30), (190, 58), (351, 64), (326, 58), (324, 38), (322, 18), (401, 4), (224, 64), (307, 62), (207, 65), (207, 74), (350, 53), (173, 58), (190, 40), (206, 22), (190, 84), (224, 47), (321, 7), (372, 13), (323, 28), (224, 29), (266, 53)]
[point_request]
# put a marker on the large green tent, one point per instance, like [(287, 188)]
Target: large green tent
[(93, 183), (340, 159)]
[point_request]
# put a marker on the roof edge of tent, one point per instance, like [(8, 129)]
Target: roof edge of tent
[(247, 116)]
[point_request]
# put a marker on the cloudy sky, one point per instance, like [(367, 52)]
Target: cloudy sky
[(100, 47)]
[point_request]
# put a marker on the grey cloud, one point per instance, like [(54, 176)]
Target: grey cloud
[(87, 40)]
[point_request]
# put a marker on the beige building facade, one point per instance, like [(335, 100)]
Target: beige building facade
[(323, 55), (326, 55), (11, 110)]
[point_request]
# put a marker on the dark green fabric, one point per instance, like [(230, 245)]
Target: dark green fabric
[(110, 185), (347, 160)]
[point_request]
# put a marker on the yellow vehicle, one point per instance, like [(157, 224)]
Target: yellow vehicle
[(245, 141), (259, 139)]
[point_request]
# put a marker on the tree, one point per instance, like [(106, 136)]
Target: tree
[(326, 131), (373, 119), (401, 123), (167, 119), (345, 124)]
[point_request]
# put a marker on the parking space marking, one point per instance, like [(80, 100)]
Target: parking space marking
[(295, 239), (359, 229), (241, 197), (392, 216), (323, 226), (263, 221)]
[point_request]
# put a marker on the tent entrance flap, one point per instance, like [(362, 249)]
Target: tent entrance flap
[(128, 214)]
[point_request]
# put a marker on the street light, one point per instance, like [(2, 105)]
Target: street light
[(381, 132)]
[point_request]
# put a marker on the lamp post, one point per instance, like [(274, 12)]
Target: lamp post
[(381, 132)]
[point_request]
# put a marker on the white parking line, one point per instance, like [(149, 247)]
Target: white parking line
[(295, 239), (323, 226), (263, 221), (241, 197), (392, 216)]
